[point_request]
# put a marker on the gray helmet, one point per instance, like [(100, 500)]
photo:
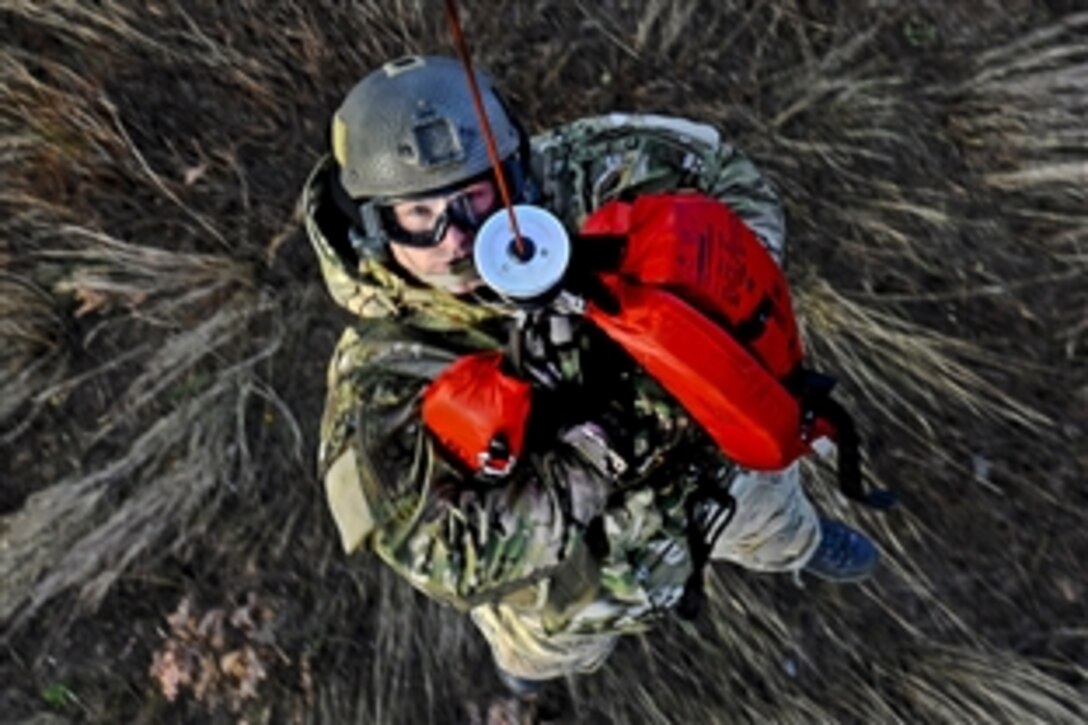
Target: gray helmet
[(410, 128)]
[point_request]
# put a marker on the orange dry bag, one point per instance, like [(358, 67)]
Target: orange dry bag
[(701, 305), (699, 249), (478, 413), (750, 415)]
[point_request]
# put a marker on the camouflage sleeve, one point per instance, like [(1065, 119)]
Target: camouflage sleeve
[(472, 543), (457, 539), (735, 180)]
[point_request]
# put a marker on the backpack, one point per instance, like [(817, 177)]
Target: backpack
[(699, 303)]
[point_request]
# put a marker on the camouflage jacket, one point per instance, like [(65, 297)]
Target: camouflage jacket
[(587, 546)]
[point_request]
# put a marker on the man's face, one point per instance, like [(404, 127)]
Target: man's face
[(448, 264)]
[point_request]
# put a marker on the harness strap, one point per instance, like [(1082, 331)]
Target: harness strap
[(701, 543), (849, 453)]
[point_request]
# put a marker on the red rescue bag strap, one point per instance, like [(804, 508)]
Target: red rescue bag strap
[(478, 413)]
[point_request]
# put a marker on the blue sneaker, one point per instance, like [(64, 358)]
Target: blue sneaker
[(844, 554)]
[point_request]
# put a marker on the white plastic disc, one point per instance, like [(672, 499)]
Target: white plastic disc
[(538, 269)]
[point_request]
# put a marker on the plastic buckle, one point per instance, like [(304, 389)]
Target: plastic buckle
[(495, 467), (590, 440), (498, 460)]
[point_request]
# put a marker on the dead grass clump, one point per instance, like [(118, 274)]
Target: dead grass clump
[(83, 25), (956, 685), (160, 287), (84, 531), (1020, 116), (33, 349), (54, 127), (903, 370), (863, 165)]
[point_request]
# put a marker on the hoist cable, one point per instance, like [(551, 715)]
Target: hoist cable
[(485, 125)]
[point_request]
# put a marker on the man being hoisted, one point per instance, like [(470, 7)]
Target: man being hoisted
[(541, 471)]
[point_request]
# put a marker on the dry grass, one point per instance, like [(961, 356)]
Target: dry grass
[(905, 371), (163, 337), (32, 332)]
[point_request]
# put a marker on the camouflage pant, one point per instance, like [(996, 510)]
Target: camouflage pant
[(775, 528)]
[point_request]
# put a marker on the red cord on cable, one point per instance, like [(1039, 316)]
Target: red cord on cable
[(485, 125)]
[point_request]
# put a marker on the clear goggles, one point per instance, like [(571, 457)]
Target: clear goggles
[(424, 221)]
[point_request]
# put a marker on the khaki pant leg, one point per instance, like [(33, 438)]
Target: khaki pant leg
[(521, 647), (774, 528)]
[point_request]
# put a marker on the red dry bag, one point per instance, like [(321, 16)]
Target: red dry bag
[(478, 413), (700, 303), (699, 249), (704, 308), (744, 408)]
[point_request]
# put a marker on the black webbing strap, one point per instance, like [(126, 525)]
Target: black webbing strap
[(849, 453), (701, 544)]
